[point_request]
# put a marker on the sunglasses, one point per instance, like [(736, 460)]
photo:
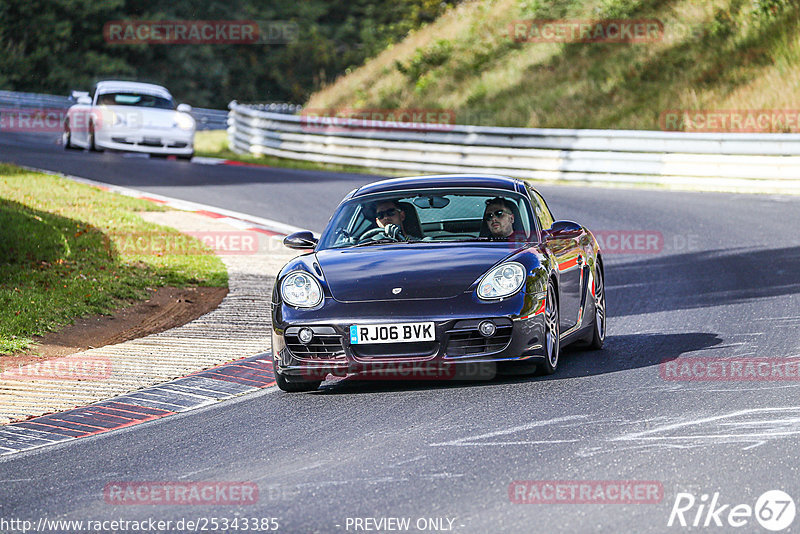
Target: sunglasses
[(496, 214), (391, 212)]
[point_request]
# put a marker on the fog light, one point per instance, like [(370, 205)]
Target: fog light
[(305, 335), (487, 328)]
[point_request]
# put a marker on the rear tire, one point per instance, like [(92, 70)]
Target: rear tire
[(552, 332), (66, 139), (599, 327)]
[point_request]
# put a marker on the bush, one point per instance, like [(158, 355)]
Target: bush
[(426, 59)]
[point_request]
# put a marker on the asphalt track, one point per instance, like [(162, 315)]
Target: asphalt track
[(723, 285)]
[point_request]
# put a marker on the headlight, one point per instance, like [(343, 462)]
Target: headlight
[(502, 281), (302, 290), (184, 121)]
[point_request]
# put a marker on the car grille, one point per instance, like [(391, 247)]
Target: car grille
[(326, 344), (419, 349), (465, 339), (150, 141)]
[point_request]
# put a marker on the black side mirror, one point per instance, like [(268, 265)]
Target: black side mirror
[(563, 230), (300, 240)]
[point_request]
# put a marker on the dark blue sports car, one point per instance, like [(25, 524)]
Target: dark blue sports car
[(428, 276)]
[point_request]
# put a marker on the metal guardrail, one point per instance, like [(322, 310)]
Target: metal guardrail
[(207, 119), (32, 100), (748, 161), (277, 107), (210, 119)]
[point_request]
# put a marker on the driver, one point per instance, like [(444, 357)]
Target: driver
[(389, 212)]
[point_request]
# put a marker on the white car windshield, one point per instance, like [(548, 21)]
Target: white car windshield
[(446, 215), (135, 99)]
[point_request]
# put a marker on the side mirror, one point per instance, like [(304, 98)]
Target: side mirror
[(184, 108), (300, 240), (563, 230), (84, 100)]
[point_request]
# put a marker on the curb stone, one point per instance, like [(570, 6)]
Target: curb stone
[(168, 365)]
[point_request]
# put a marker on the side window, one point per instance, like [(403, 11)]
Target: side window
[(360, 223), (351, 223), (541, 209)]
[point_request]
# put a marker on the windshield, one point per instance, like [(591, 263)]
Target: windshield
[(425, 216), (135, 99)]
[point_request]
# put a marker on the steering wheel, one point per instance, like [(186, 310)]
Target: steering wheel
[(391, 231), (343, 236)]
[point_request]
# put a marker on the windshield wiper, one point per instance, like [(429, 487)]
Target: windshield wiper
[(378, 242)]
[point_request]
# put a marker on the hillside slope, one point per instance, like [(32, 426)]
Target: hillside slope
[(715, 54)]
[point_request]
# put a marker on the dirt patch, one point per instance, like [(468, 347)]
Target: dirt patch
[(166, 308)]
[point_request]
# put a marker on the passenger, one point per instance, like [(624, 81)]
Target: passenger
[(499, 217)]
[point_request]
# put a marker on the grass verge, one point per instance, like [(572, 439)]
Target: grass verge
[(214, 144), (711, 55), (65, 252)]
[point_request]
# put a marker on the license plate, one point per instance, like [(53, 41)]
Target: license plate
[(392, 333)]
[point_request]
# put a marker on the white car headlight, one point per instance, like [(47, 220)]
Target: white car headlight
[(184, 121), (301, 290), (502, 281)]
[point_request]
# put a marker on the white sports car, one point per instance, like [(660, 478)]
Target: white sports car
[(132, 117)]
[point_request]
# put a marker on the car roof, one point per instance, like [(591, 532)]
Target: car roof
[(113, 86), (489, 181)]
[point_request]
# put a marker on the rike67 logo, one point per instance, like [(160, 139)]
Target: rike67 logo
[(774, 510)]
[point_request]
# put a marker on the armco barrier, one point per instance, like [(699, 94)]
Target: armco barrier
[(757, 162), (207, 119)]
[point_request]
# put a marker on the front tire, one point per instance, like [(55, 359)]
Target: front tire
[(552, 331), (292, 384), (92, 144), (599, 328)]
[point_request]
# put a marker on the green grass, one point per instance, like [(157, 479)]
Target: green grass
[(214, 144), (716, 54), (63, 255)]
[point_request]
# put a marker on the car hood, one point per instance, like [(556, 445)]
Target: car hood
[(139, 117), (421, 270)]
